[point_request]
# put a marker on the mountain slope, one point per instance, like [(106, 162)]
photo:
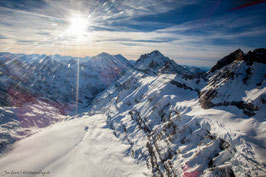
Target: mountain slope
[(178, 122), (91, 149), (37, 90), (45, 77), (240, 82), (161, 117)]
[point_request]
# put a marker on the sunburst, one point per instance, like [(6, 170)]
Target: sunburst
[(78, 25)]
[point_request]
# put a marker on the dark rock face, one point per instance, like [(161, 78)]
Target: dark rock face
[(257, 55), (181, 85), (206, 97), (236, 55), (229, 71)]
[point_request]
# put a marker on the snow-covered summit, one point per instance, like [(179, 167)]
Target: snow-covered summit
[(152, 60), (155, 62), (106, 60)]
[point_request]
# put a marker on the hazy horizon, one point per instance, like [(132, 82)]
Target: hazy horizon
[(180, 61)]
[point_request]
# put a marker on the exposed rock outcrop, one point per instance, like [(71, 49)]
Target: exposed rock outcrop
[(236, 55), (235, 75), (257, 55)]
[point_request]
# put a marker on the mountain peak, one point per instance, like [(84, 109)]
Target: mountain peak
[(154, 56), (257, 55), (104, 54), (156, 62), (156, 52), (236, 55)]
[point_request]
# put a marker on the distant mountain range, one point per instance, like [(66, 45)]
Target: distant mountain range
[(181, 120)]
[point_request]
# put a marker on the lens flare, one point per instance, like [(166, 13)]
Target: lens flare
[(78, 26)]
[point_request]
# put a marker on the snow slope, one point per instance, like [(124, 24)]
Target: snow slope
[(163, 120), (79, 147), (20, 121), (38, 90)]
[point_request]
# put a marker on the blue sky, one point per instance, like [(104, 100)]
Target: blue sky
[(195, 32)]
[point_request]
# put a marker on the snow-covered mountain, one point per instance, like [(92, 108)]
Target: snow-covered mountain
[(155, 62), (49, 78), (37, 92), (237, 80), (176, 121), (162, 118)]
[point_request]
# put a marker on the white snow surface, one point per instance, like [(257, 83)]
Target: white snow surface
[(79, 147)]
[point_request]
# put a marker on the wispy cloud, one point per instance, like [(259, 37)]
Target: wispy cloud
[(43, 33), (25, 42), (3, 37)]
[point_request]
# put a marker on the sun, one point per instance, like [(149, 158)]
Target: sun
[(78, 26)]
